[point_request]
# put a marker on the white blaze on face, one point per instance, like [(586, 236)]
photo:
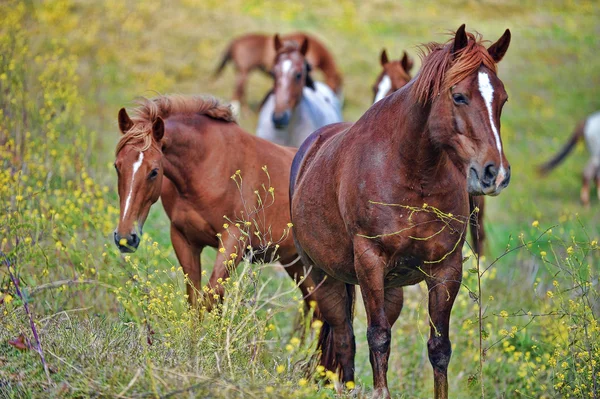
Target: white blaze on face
[(136, 166), (286, 66), (487, 92), (385, 85)]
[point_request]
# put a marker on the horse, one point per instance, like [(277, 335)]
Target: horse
[(297, 105), (395, 75), (256, 51), (188, 150), (384, 202), (588, 129)]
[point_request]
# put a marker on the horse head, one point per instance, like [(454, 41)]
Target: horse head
[(459, 83), (395, 75), (291, 74), (140, 171)]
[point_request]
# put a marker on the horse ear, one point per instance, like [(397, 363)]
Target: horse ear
[(498, 49), (304, 46), (406, 62), (278, 43), (125, 122), (384, 58), (158, 129), (460, 40)]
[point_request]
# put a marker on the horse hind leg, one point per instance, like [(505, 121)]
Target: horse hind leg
[(589, 173), (336, 340)]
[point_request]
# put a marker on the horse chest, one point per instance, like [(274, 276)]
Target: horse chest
[(193, 225), (416, 252)]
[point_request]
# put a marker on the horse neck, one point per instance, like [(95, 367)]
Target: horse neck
[(184, 154), (409, 135)]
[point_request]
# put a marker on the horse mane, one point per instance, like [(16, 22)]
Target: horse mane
[(442, 68), (164, 106)]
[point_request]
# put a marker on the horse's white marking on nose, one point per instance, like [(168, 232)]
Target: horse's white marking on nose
[(385, 85), (136, 166), (286, 65), (487, 92)]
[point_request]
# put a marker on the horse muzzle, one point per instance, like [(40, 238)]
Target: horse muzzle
[(281, 119), (127, 243), (489, 180)]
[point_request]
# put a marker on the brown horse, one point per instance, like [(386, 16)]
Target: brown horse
[(384, 202), (257, 51), (187, 150), (394, 76)]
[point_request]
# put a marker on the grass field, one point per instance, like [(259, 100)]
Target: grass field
[(115, 326)]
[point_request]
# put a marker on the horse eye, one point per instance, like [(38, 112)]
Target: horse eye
[(460, 99), (299, 76), (117, 169), (153, 173)]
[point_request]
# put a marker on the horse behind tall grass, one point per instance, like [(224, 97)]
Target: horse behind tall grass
[(190, 152), (297, 105), (588, 129), (256, 51), (384, 202)]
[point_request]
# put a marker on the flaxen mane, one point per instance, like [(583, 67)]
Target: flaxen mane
[(441, 69), (148, 110)]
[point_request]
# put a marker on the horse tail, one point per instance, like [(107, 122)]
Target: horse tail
[(558, 158), (224, 60), (325, 343)]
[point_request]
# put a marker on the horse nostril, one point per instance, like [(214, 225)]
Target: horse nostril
[(489, 174), (280, 119), (135, 240)]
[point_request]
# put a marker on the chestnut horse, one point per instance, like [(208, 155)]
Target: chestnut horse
[(395, 75), (186, 150), (588, 129), (384, 202), (297, 105), (256, 51)]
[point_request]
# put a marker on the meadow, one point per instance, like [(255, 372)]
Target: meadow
[(78, 319)]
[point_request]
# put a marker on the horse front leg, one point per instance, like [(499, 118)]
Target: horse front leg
[(189, 259), (370, 263), (443, 288), (225, 262)]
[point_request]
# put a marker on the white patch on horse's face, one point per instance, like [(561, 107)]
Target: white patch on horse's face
[(385, 85), (487, 92), (136, 166), (286, 66)]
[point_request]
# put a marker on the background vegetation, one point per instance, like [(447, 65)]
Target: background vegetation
[(118, 326)]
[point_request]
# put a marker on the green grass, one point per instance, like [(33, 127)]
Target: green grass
[(85, 60)]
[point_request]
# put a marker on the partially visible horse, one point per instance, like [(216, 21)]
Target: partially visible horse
[(394, 76), (588, 129), (256, 51), (384, 202), (186, 150), (297, 105)]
